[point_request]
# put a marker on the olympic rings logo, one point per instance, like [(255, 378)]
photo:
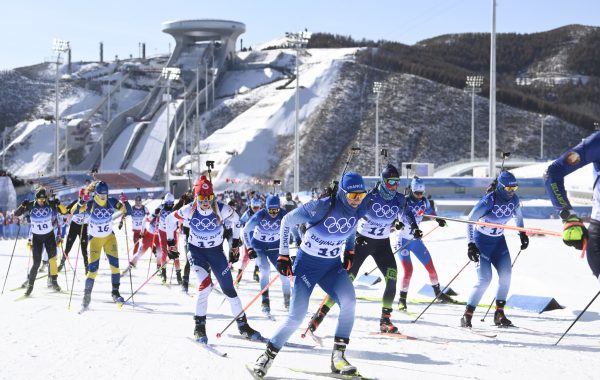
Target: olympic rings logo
[(342, 225), (204, 224), (266, 225), (385, 210), (138, 213), (102, 213), (40, 212), (418, 210), (503, 210)]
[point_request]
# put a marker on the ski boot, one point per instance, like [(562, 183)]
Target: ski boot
[(200, 329), (385, 325), (264, 361), (500, 319), (116, 296), (245, 330), (465, 320), (441, 297), (266, 306), (87, 297), (184, 285), (128, 269), (317, 318), (339, 364), (286, 302), (49, 281), (178, 274), (62, 264), (402, 301), (29, 288), (163, 276), (54, 283), (256, 274)]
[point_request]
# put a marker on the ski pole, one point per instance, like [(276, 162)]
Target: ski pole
[(145, 282), (247, 306), (128, 259), (579, 316), (404, 246), (504, 226), (11, 257), (75, 270), (488, 310), (66, 277), (443, 290), (303, 335)]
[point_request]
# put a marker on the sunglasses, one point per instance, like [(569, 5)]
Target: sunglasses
[(418, 192), (511, 189), (273, 211), (209, 197), (355, 196), (392, 181)]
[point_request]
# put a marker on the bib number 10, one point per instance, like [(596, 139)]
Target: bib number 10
[(329, 253)]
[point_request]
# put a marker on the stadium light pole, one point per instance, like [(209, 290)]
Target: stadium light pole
[(492, 129), (59, 46), (474, 83), (542, 137), (377, 88), (297, 41), (169, 74)]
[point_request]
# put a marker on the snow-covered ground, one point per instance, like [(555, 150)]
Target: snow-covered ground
[(42, 339)]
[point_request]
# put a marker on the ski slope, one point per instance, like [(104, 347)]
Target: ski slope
[(42, 339)]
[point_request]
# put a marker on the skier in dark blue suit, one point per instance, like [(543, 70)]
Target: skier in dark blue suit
[(261, 234), (574, 231), (487, 245), (332, 228)]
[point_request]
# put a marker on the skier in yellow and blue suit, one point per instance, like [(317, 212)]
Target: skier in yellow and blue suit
[(101, 236)]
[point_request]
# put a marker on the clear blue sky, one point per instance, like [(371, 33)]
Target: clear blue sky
[(27, 27)]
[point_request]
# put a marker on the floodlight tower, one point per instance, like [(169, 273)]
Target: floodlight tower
[(474, 83), (169, 74), (59, 46), (377, 89)]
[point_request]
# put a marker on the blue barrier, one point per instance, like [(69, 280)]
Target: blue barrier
[(536, 304)]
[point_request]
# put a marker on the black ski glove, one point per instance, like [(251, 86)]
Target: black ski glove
[(227, 233), (473, 252), (252, 253), (236, 243), (234, 255), (398, 225), (172, 249), (156, 212), (284, 265), (416, 232), (348, 258), (120, 224), (441, 222), (524, 240)]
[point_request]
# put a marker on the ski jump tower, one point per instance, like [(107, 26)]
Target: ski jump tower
[(190, 32)]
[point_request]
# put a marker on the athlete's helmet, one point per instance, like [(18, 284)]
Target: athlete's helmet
[(417, 185), (101, 188), (168, 199), (273, 201)]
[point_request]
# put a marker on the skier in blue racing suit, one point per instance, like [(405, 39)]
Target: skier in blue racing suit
[(332, 224), (487, 245)]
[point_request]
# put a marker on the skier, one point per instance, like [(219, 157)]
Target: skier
[(261, 234), (487, 245), (289, 202), (255, 206), (574, 232), (162, 212), (186, 198), (418, 205), (41, 213), (384, 205), (100, 210), (148, 241), (207, 219), (332, 222), (138, 214), (77, 228)]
